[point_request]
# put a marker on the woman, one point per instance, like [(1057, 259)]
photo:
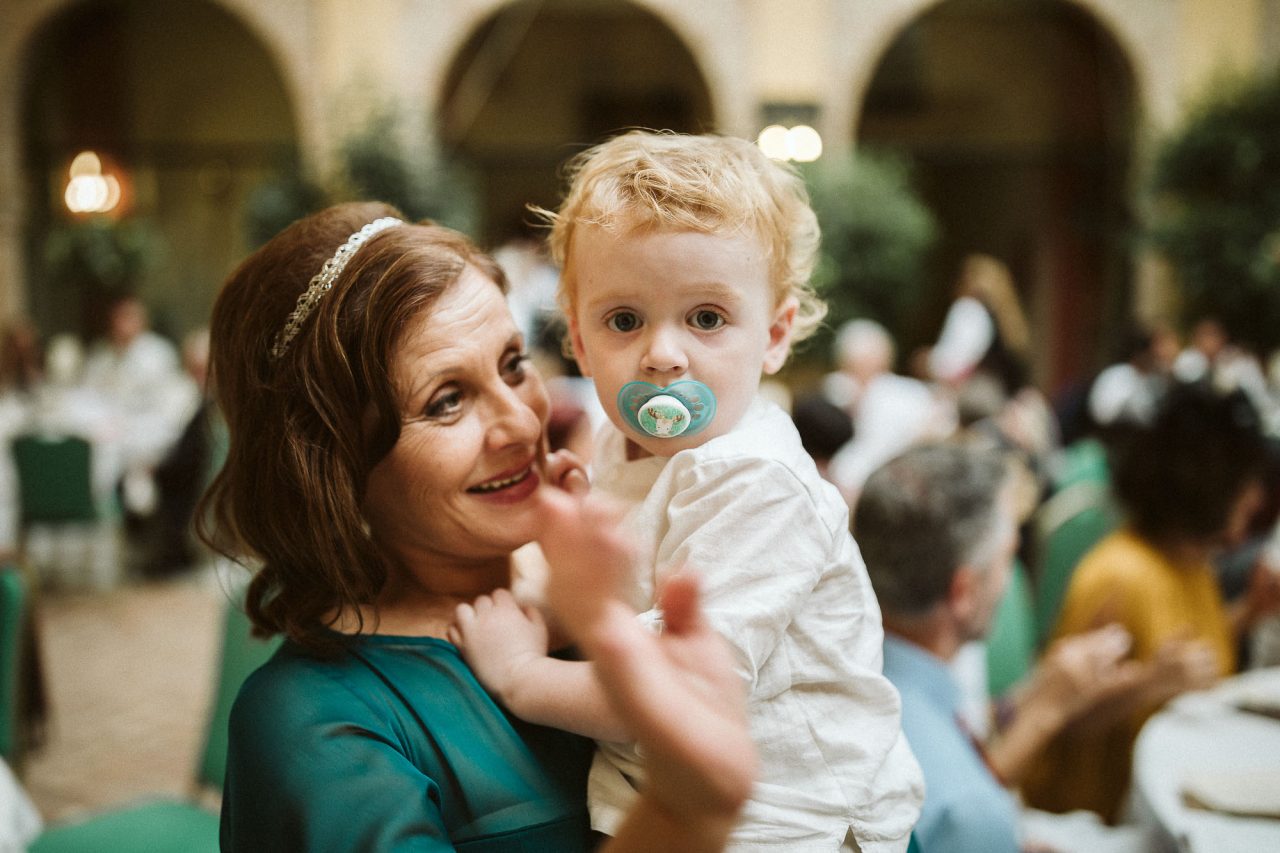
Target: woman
[(1189, 484), (386, 460)]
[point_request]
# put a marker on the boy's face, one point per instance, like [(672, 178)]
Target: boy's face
[(658, 306)]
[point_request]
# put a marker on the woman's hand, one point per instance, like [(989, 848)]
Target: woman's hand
[(677, 691), (498, 639), (1183, 664), (1079, 671), (1077, 676)]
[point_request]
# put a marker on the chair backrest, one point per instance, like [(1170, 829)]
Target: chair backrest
[(1070, 524), (1011, 643), (55, 481), (241, 654), (13, 608), (1083, 461)]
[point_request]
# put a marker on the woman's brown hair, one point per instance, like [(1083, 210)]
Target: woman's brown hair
[(307, 428)]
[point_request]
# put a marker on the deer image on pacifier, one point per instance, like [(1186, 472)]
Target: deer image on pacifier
[(682, 408)]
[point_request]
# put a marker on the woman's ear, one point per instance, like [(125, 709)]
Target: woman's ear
[(784, 319)]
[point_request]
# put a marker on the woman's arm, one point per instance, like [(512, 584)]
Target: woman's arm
[(1078, 675)]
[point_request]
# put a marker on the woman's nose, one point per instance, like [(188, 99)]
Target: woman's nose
[(514, 420), (664, 353)]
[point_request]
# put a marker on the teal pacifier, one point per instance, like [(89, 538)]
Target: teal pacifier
[(682, 408)]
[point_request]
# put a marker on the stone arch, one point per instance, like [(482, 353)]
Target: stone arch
[(714, 33), (190, 158), (1143, 30), (512, 105), (274, 24), (1043, 180)]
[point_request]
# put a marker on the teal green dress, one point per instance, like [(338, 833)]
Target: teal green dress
[(394, 746)]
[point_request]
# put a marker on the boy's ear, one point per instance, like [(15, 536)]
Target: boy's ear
[(775, 355), (579, 351)]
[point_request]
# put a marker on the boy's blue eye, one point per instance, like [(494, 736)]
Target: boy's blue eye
[(706, 319), (623, 321)]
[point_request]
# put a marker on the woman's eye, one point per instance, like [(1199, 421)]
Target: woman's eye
[(444, 404), (706, 319), (515, 366), (623, 321)]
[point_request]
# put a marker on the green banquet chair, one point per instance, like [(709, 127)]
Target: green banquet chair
[(176, 825)]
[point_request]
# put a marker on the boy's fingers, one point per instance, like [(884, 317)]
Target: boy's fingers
[(566, 472), (575, 482)]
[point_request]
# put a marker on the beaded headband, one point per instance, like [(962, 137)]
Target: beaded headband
[(322, 281)]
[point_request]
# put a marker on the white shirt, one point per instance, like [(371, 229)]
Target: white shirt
[(1124, 394), (784, 583), (150, 397), (893, 413)]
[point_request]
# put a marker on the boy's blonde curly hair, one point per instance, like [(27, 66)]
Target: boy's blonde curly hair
[(650, 180)]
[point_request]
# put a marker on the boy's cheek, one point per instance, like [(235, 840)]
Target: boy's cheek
[(579, 351)]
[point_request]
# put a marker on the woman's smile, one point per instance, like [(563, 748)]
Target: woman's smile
[(509, 487)]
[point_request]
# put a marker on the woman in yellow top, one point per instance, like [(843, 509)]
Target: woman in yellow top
[(1188, 483)]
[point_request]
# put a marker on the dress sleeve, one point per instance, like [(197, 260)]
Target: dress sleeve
[(309, 771), (1106, 587), (758, 541)]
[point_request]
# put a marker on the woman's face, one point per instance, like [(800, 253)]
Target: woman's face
[(459, 483)]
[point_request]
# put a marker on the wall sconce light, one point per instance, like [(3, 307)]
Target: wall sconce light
[(788, 132), (89, 190)]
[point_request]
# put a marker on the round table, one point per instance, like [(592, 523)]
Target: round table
[(1200, 736)]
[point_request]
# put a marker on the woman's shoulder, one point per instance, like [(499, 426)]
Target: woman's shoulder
[(1119, 557), (1111, 582), (357, 685)]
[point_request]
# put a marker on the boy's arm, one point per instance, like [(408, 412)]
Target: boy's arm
[(506, 647), (677, 690), (760, 546)]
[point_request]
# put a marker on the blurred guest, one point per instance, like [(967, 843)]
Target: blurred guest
[(1127, 391), (890, 412), (986, 337), (1212, 356), (65, 406), (937, 527), (21, 358), (21, 371), (533, 279), (1189, 484), (136, 372), (185, 470), (985, 328), (824, 428)]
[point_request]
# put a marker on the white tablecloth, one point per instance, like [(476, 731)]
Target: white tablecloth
[(1197, 737), (19, 821)]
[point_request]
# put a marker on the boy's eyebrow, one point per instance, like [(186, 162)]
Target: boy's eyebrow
[(715, 291)]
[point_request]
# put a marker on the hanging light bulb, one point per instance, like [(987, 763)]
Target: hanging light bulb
[(773, 142), (804, 145), (89, 190)]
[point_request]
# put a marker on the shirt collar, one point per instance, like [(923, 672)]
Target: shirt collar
[(925, 672)]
